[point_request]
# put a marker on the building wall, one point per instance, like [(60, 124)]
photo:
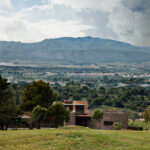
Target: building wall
[(93, 124), (72, 119), (112, 116), (82, 103)]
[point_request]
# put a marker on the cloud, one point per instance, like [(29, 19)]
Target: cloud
[(31, 21), (61, 12), (5, 7), (22, 4), (53, 29), (45, 12), (36, 23), (14, 29), (5, 3), (130, 22), (103, 5)]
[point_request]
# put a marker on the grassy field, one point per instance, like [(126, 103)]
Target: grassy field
[(74, 138)]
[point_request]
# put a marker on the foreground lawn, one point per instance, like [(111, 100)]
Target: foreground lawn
[(74, 138)]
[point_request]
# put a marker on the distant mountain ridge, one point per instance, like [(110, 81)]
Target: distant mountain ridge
[(82, 50)]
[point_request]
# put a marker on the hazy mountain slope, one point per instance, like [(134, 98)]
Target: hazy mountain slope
[(74, 50)]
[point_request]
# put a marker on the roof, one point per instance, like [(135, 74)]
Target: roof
[(68, 102), (74, 104)]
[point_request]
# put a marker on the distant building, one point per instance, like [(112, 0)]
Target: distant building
[(80, 115)]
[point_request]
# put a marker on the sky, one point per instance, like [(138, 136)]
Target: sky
[(36, 20)]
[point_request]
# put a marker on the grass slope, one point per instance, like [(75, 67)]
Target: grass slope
[(74, 138)]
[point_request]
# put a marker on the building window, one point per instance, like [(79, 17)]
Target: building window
[(108, 123), (80, 108)]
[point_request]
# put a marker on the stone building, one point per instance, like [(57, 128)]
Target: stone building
[(80, 115)]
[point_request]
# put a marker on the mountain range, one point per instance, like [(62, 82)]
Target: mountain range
[(68, 50)]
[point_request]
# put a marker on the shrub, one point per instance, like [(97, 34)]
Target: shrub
[(59, 113), (117, 126), (39, 114), (138, 124), (147, 114), (97, 115)]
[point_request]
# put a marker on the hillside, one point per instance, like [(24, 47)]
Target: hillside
[(84, 50)]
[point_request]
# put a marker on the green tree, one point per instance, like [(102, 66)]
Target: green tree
[(59, 113), (7, 103), (76, 97), (38, 93), (97, 115), (147, 114), (38, 115), (102, 90)]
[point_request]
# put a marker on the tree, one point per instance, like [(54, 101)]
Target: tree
[(102, 90), (59, 113), (38, 115), (38, 93), (97, 115), (147, 114), (7, 103), (76, 97)]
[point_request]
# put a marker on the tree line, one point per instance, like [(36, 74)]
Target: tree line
[(39, 101), (135, 98), (36, 101)]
